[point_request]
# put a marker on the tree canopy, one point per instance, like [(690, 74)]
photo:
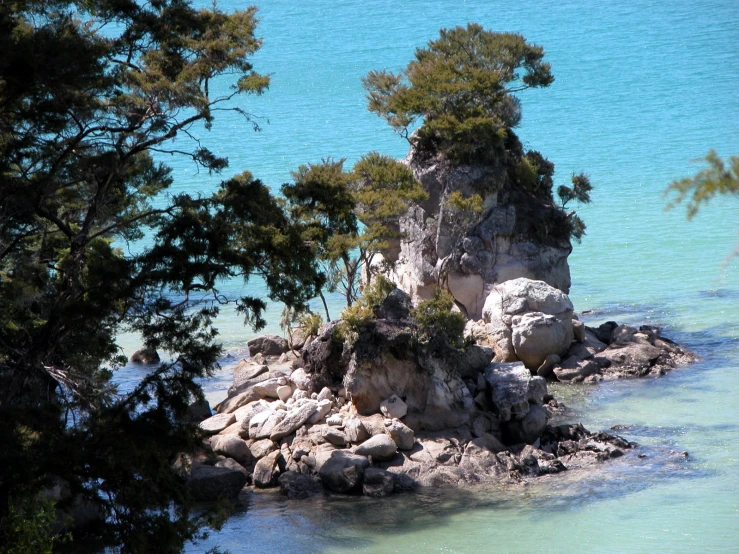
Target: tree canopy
[(351, 216), (90, 93), (460, 89)]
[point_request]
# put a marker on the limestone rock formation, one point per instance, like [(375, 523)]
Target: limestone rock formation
[(472, 252)]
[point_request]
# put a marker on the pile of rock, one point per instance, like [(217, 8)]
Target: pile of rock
[(532, 322), (382, 415)]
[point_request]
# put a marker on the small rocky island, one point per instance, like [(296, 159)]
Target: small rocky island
[(385, 413)]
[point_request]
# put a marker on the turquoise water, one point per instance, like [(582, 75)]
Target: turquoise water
[(642, 90)]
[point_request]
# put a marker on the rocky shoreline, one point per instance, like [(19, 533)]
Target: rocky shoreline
[(384, 413)]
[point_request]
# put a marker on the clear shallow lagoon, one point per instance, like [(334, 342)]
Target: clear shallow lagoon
[(642, 90)]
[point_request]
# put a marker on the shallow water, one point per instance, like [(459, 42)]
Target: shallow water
[(642, 90)]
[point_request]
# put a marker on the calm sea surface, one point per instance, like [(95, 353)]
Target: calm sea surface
[(643, 90)]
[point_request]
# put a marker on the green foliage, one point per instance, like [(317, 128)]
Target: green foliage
[(718, 178), (361, 313), (460, 89), (437, 322), (310, 323), (579, 192), (90, 92), (29, 528), (329, 204), (472, 204)]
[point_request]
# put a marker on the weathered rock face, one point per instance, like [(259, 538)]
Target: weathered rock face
[(474, 251), (525, 320), (385, 361)]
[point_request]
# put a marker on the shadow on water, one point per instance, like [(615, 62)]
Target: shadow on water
[(341, 522)]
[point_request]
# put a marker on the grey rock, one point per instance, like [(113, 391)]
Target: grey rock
[(298, 486), (267, 470), (393, 407), (262, 424), (342, 471), (233, 403), (230, 463), (401, 434), (233, 447), (209, 483), (294, 419), (146, 356), (217, 423), (527, 429), (355, 430), (259, 449), (269, 387), (268, 345), (378, 482), (380, 447), (200, 410), (334, 436), (512, 389)]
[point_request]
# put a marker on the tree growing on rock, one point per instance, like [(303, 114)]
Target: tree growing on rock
[(491, 201), (349, 218), (460, 89), (91, 92)]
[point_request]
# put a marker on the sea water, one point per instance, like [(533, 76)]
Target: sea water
[(643, 90)]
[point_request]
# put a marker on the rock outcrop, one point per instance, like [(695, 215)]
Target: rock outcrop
[(386, 412), (470, 251)]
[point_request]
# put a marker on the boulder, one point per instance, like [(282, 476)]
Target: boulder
[(233, 447), (334, 436), (519, 296), (380, 447), (538, 316), (230, 463), (378, 482), (528, 429), (233, 403), (496, 336), (298, 486), (322, 409), (259, 449), (295, 418), (355, 430), (401, 434), (217, 423), (146, 356), (268, 345), (268, 388), (262, 424), (342, 471), (200, 410), (210, 483), (393, 407), (536, 335), (245, 413), (301, 380), (248, 369), (267, 470), (512, 388), (284, 392)]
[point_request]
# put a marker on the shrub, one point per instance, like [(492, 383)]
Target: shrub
[(436, 320)]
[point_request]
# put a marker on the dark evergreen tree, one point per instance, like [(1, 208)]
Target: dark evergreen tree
[(90, 92)]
